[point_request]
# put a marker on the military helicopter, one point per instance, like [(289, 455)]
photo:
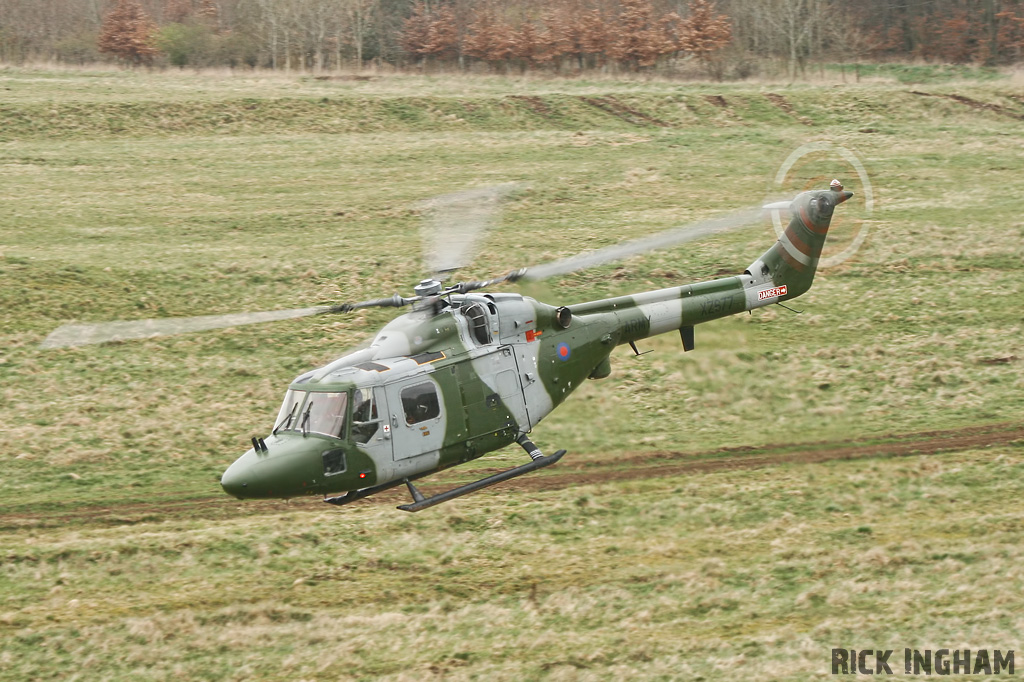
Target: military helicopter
[(465, 373)]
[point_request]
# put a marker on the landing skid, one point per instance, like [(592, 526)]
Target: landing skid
[(539, 461), (419, 502), (354, 495)]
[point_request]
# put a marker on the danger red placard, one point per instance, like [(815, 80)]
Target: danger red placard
[(771, 293)]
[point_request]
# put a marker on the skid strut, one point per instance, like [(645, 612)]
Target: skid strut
[(538, 461), (354, 495)]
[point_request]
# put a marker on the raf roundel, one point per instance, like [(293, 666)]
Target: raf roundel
[(563, 351)]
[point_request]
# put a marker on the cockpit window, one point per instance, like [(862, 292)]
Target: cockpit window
[(324, 413), (287, 418), (318, 413)]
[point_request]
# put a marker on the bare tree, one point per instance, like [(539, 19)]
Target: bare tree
[(849, 41), (795, 24), (360, 15)]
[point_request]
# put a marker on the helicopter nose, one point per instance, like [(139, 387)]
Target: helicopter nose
[(236, 479), (291, 466)]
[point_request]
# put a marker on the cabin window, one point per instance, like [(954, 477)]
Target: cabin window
[(420, 403), (324, 413), (365, 420), (334, 462)]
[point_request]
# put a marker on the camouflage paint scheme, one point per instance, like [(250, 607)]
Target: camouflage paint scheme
[(499, 364)]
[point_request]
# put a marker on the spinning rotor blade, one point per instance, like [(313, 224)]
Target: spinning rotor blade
[(85, 334), (680, 235), (455, 223)]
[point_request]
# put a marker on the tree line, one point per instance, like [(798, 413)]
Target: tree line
[(722, 38)]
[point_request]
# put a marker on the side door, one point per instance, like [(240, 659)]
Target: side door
[(417, 417), (371, 422)]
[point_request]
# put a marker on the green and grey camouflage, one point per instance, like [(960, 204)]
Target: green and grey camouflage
[(464, 374)]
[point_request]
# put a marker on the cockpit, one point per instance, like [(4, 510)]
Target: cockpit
[(309, 412), (329, 413)]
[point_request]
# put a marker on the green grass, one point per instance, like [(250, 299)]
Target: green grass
[(129, 195), (748, 573), (922, 73)]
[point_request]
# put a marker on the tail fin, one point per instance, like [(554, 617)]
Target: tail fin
[(793, 260)]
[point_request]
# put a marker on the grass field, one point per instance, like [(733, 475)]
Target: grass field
[(845, 477)]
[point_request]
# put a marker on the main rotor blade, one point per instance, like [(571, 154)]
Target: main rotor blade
[(680, 235), (84, 334), (455, 223)]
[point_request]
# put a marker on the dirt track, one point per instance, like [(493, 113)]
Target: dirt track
[(627, 466)]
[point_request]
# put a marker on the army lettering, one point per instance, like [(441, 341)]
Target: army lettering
[(641, 325)]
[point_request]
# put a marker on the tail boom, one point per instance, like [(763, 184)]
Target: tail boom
[(783, 272)]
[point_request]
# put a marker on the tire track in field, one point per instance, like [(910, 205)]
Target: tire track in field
[(608, 469), (925, 443)]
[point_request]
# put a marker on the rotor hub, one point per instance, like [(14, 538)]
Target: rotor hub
[(428, 287)]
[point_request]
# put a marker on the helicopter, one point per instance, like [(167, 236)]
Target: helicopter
[(465, 372)]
